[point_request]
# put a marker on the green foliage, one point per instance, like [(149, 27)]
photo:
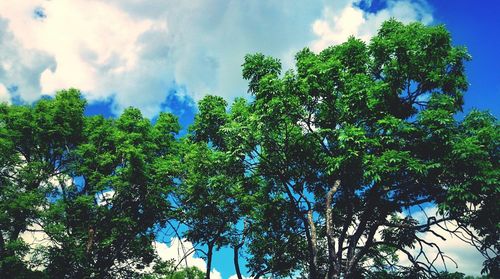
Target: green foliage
[(36, 143), (378, 119), (187, 273), (95, 186), (125, 181), (166, 270)]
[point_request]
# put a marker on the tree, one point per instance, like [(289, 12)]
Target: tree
[(473, 197), (211, 184), (36, 144), (97, 189), (351, 140), (103, 220)]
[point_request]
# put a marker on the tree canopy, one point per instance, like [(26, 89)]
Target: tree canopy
[(319, 174)]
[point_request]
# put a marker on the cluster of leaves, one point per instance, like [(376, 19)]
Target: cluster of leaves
[(314, 177)]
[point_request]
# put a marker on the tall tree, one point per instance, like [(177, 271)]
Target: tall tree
[(98, 189), (352, 140), (103, 221), (212, 183), (36, 143)]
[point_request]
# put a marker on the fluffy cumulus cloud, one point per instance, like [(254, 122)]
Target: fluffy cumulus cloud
[(181, 251), (338, 22), (20, 67), (134, 53), (93, 46)]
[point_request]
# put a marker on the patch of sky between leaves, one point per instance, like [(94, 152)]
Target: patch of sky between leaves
[(39, 13), (181, 105), (371, 6), (103, 108), (13, 91)]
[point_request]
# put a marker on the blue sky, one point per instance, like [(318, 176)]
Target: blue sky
[(164, 55), (476, 25)]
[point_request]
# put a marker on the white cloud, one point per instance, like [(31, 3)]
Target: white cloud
[(35, 236), (338, 23), (4, 94), (19, 67), (93, 45), (468, 259), (336, 27), (215, 274), (135, 52), (181, 251)]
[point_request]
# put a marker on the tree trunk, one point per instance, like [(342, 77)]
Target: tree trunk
[(310, 229), (2, 252), (209, 259), (313, 250), (90, 241), (332, 271), (235, 259)]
